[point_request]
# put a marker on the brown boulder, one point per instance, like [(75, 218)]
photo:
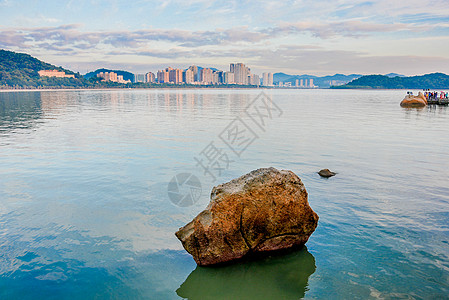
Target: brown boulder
[(262, 211), (414, 101)]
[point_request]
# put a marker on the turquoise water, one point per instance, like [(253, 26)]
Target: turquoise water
[(84, 209)]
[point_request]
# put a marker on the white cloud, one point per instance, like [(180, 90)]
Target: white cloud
[(289, 34)]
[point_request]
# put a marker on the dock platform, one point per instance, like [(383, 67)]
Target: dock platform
[(444, 101)]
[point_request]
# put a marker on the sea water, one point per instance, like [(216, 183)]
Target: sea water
[(85, 211)]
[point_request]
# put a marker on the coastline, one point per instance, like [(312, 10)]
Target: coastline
[(159, 88)]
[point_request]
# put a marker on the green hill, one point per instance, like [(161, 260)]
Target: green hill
[(434, 81), (19, 69)]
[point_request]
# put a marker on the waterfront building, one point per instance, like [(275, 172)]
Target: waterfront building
[(267, 79), (196, 74), (296, 83), (253, 79), (121, 80), (241, 73), (215, 78), (163, 76), (139, 77), (55, 73), (175, 76), (189, 76), (206, 76), (108, 76), (150, 77), (228, 78), (220, 77), (301, 84), (311, 82), (112, 76)]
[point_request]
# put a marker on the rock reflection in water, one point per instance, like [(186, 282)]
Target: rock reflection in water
[(278, 277)]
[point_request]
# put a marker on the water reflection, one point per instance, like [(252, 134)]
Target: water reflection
[(279, 277), (19, 110)]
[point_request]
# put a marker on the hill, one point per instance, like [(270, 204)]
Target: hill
[(429, 81), (126, 75), (20, 69)]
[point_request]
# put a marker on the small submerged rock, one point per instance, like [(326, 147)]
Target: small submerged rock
[(265, 210), (326, 173)]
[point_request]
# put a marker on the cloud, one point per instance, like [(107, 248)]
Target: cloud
[(72, 36), (352, 28), (11, 38), (323, 46)]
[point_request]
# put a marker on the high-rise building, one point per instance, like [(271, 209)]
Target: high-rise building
[(163, 76), (253, 79), (297, 82), (215, 78), (267, 79), (311, 82), (139, 77), (196, 74), (301, 83), (108, 76), (228, 78), (206, 76), (241, 73), (189, 76), (220, 77), (175, 76), (150, 77)]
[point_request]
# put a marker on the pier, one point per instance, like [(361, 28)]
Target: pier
[(444, 101)]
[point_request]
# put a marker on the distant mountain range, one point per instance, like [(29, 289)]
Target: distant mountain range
[(434, 81), (394, 75), (324, 81)]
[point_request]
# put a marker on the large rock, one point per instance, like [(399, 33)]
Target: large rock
[(414, 101), (262, 211)]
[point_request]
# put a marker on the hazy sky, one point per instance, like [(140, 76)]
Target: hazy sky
[(296, 37)]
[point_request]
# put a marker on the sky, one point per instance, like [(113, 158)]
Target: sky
[(409, 37)]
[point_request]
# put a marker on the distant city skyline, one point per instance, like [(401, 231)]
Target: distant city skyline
[(295, 37), (238, 74)]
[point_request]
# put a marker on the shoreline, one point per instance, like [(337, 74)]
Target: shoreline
[(156, 88), (184, 88)]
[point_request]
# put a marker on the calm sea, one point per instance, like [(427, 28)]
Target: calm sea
[(85, 213)]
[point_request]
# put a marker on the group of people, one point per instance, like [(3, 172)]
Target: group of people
[(435, 95)]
